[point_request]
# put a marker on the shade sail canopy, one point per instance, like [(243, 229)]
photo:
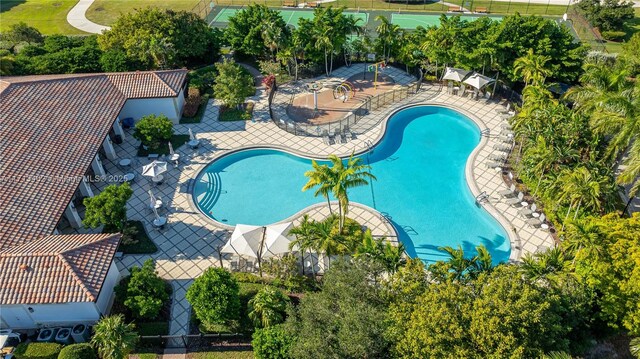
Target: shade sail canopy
[(154, 168), (478, 81), (454, 74), (277, 239), (245, 241)]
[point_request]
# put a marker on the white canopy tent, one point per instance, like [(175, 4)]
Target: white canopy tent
[(245, 240), (277, 239), (478, 81), (454, 74)]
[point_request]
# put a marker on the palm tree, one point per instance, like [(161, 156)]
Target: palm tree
[(634, 347), (305, 236), (381, 251), (268, 307), (557, 355), (113, 338), (351, 175), (532, 68), (322, 177), (579, 187), (272, 35), (631, 174), (324, 42), (388, 34), (584, 239), (541, 265), (457, 262), (482, 261)]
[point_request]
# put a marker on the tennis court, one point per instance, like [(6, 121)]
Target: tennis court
[(291, 17), (412, 21)]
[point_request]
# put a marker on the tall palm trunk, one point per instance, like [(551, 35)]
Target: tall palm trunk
[(329, 204), (331, 63), (326, 64), (577, 209), (567, 216)]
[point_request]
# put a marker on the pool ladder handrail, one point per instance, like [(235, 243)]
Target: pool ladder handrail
[(482, 197), (369, 144), (486, 132)]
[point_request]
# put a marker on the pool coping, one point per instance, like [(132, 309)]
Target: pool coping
[(471, 163)]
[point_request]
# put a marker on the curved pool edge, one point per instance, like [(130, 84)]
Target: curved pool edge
[(514, 238)]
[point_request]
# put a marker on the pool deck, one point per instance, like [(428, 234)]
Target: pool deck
[(188, 244)]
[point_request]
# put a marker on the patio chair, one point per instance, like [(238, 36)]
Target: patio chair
[(493, 164), (500, 157), (528, 212), (508, 192), (502, 148), (249, 266), (234, 266), (515, 201), (506, 132), (347, 132), (505, 139), (506, 126), (337, 135), (536, 222), (325, 138)]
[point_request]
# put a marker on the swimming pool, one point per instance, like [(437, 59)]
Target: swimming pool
[(420, 166)]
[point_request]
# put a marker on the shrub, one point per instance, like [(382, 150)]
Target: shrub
[(113, 338), (607, 14), (108, 208), (192, 103), (614, 35), (245, 277), (77, 351), (233, 84), (143, 292), (268, 307), (271, 343), (215, 297), (37, 351), (152, 130)]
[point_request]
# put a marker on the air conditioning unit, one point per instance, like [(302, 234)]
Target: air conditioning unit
[(64, 336), (47, 334), (80, 333)]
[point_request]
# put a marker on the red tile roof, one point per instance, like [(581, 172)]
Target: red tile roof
[(56, 269), (51, 128)]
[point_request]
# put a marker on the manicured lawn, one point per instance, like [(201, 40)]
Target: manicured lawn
[(176, 141), (153, 328), (630, 28), (232, 114), (143, 244), (48, 16), (222, 354), (105, 12)]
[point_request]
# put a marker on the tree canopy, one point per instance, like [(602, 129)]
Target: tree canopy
[(161, 38), (108, 208), (214, 297)]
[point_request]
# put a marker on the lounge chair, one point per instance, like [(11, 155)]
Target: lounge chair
[(347, 132), (506, 132), (536, 222), (507, 109), (500, 157), (528, 212), (508, 192), (506, 126), (515, 201), (325, 138), (338, 136), (505, 139), (493, 164), (502, 148)]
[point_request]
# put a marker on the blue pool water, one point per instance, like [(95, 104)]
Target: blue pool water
[(421, 185)]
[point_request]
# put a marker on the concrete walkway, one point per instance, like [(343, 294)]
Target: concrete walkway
[(77, 18)]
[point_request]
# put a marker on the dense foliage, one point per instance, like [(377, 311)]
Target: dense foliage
[(155, 38), (257, 31), (37, 350), (143, 292), (214, 297), (152, 130), (344, 320), (271, 343), (268, 307), (233, 84), (77, 351), (607, 15), (113, 338), (108, 208)]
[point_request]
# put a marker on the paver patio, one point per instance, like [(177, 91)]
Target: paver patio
[(188, 244)]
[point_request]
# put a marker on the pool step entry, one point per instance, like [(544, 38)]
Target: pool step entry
[(409, 230)]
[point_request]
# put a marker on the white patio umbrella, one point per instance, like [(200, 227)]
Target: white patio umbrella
[(245, 240), (277, 239), (478, 81), (154, 168), (454, 74), (192, 136)]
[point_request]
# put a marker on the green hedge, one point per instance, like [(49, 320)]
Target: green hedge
[(77, 351), (37, 351)]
